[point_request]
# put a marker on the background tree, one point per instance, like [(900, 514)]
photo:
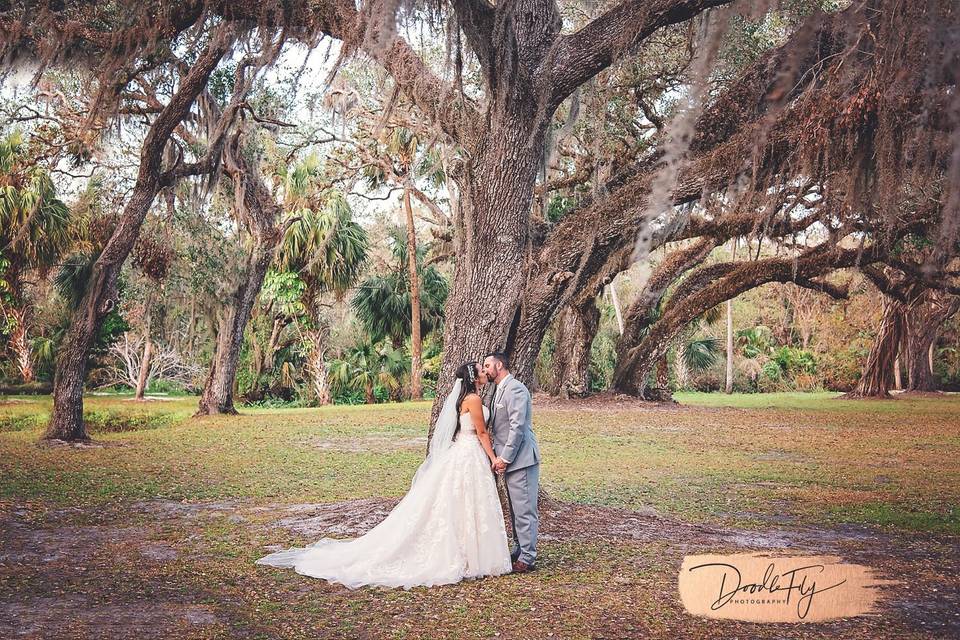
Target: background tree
[(327, 250), (100, 291), (259, 223), (383, 302), (35, 232)]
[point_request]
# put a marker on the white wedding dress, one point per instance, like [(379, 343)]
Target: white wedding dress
[(448, 527)]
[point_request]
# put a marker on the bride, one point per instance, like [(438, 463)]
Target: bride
[(449, 526)]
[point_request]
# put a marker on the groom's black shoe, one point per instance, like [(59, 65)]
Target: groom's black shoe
[(522, 567), (515, 556)]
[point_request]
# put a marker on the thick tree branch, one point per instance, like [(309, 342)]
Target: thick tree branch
[(613, 36), (638, 360), (837, 292), (476, 18)]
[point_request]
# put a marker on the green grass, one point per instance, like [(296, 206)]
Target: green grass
[(741, 459), (745, 461)]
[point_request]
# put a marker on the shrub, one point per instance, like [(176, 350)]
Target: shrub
[(21, 423), (114, 422)]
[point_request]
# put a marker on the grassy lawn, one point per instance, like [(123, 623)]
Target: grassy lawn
[(749, 462), (809, 456)]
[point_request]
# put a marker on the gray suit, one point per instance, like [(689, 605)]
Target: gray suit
[(513, 440)]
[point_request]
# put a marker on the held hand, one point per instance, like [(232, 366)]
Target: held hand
[(500, 465)]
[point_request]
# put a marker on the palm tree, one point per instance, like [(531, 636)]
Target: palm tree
[(383, 302), (327, 250), (35, 230), (695, 355), (756, 347), (325, 247), (366, 365), (399, 164)]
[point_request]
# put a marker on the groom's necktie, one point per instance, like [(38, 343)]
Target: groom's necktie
[(493, 405), (497, 392)]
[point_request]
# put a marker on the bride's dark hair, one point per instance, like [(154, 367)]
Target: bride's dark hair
[(468, 373)]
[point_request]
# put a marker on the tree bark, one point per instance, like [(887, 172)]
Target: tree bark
[(21, 345), (147, 352), (661, 390), (66, 422), (923, 318), (877, 375), (144, 369), (259, 212), (728, 387), (482, 311), (576, 329), (416, 347), (680, 367)]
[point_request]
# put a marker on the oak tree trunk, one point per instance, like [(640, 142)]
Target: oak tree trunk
[(147, 352), (662, 391), (923, 318), (482, 311), (576, 329), (877, 375), (100, 295), (259, 212), (218, 390)]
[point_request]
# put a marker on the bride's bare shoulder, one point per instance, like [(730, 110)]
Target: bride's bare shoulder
[(472, 400)]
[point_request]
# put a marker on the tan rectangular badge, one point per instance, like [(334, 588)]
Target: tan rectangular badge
[(763, 588)]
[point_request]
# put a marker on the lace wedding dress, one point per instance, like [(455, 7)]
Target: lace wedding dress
[(448, 527)]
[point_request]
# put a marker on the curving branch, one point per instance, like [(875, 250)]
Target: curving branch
[(736, 278), (613, 36), (476, 19)]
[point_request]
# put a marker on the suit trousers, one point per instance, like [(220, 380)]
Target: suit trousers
[(522, 489)]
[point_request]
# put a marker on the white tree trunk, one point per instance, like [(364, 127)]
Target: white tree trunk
[(729, 385), (616, 306)]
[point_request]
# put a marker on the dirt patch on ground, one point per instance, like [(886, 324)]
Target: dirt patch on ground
[(60, 579), (604, 402), (928, 565), (130, 571), (78, 617), (82, 444)]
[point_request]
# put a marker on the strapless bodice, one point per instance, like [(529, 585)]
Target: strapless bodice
[(466, 422)]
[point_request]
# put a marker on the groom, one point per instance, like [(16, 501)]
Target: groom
[(518, 456)]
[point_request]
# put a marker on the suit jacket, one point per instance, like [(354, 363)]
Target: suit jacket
[(510, 425)]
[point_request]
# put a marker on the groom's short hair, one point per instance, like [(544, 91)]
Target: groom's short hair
[(501, 357)]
